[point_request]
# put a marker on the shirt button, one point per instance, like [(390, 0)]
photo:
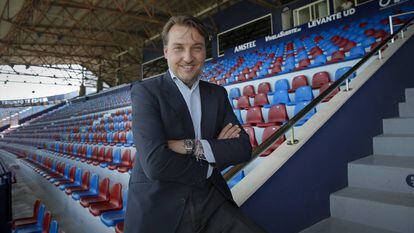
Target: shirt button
[(183, 200)]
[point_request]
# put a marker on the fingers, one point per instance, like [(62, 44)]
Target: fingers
[(230, 131), (224, 130)]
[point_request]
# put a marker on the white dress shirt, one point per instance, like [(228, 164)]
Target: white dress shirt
[(193, 100)]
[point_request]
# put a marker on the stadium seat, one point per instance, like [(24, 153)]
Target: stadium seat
[(108, 157), (260, 100), (303, 93), (269, 131), (76, 182), (264, 88), (298, 81), (243, 102), (341, 71), (319, 79), (92, 191), (248, 90), (129, 138), (126, 161), (84, 186), (337, 56), (298, 107), (234, 93), (281, 84), (277, 116), (254, 116), (116, 159), (54, 227), (238, 115), (330, 96), (356, 52), (36, 226), (111, 218), (280, 97), (119, 228), (113, 203), (103, 194), (252, 136), (28, 220), (236, 179), (66, 180)]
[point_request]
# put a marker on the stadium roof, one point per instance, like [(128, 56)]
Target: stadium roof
[(105, 36)]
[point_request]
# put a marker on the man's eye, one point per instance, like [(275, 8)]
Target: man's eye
[(178, 48)]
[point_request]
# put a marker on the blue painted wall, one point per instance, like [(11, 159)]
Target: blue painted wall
[(297, 196)]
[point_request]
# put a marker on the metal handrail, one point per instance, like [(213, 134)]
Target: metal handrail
[(284, 128)]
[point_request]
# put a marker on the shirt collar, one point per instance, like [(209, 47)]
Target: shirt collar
[(181, 83)]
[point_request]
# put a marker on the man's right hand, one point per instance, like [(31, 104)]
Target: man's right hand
[(230, 131)]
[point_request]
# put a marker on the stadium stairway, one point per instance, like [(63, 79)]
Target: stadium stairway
[(380, 193), (324, 179)]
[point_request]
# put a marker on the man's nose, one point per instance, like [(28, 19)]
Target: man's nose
[(187, 56)]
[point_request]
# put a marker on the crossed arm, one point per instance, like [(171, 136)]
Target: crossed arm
[(229, 131), (163, 159)]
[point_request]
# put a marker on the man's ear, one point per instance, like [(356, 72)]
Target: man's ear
[(165, 52)]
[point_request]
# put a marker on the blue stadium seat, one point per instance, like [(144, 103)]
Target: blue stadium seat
[(303, 93), (77, 182), (237, 178), (299, 106), (93, 189), (356, 52), (54, 227), (341, 71), (238, 115), (279, 97), (234, 93)]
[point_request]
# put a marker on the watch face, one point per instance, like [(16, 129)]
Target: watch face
[(188, 144)]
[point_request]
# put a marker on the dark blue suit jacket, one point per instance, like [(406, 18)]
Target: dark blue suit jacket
[(161, 179)]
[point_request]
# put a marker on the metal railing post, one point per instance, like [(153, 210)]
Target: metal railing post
[(292, 140), (391, 28)]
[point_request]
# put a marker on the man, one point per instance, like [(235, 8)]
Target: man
[(185, 133)]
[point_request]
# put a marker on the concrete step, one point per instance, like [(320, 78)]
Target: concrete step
[(406, 109), (409, 95), (400, 145), (401, 125), (336, 225), (386, 210), (382, 172)]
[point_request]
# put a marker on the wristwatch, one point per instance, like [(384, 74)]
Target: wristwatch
[(189, 146)]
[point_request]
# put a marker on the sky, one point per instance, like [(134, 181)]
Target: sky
[(15, 88)]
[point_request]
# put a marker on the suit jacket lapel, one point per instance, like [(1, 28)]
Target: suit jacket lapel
[(174, 97), (208, 111)]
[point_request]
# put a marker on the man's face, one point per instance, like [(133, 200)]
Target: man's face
[(185, 53)]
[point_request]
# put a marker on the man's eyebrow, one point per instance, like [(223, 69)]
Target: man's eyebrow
[(177, 44)]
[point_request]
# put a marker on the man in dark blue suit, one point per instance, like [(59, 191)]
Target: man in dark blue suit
[(185, 133)]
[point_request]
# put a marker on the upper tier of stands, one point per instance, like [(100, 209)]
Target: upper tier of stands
[(349, 41)]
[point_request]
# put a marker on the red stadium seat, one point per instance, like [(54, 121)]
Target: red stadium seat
[(260, 100), (100, 158), (277, 116), (298, 81), (264, 88), (254, 116), (102, 196), (268, 131), (243, 102), (126, 162), (83, 187), (71, 179), (248, 90), (333, 93), (337, 56), (114, 202), (250, 131), (27, 220), (319, 79), (119, 228)]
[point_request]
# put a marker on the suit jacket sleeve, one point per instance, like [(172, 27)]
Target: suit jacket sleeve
[(156, 159), (230, 151)]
